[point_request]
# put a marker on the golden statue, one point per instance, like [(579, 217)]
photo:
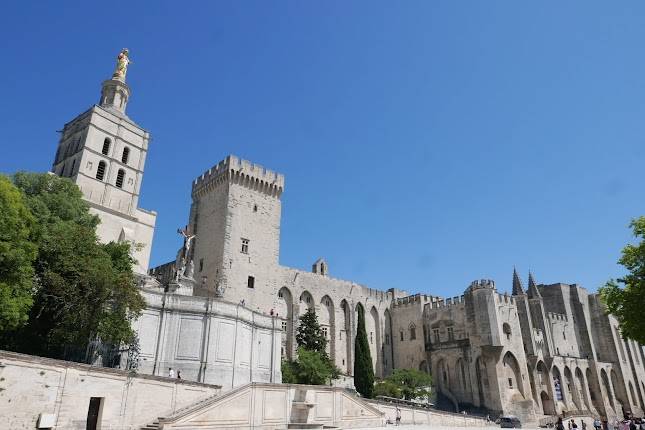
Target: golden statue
[(122, 61)]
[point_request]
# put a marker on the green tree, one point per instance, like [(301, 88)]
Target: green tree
[(387, 388), (17, 254), (308, 335), (363, 370), (411, 383), (313, 366), (84, 289), (625, 297)]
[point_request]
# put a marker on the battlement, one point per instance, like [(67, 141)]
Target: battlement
[(446, 303), (505, 298), (482, 283), (557, 317), (236, 170), (414, 299)]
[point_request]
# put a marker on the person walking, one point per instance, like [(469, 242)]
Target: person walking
[(597, 424), (171, 373), (179, 374), (559, 425), (398, 416)]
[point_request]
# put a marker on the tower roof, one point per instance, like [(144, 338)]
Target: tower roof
[(533, 291), (517, 284)]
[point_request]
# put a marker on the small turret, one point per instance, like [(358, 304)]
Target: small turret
[(320, 267), (517, 284), (533, 291)]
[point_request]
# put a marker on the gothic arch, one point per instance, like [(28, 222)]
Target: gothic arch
[(548, 407), (543, 375), (594, 390), (284, 309), (512, 374), (306, 302), (581, 388), (345, 338), (607, 386), (620, 391), (481, 373), (388, 356), (632, 394), (558, 389), (569, 385), (327, 323), (374, 337)]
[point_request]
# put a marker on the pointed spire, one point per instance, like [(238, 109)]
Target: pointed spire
[(517, 284), (533, 291)]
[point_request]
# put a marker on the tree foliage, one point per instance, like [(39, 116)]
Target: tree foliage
[(17, 254), (363, 370), (308, 335), (313, 366), (625, 297), (408, 384), (84, 289)]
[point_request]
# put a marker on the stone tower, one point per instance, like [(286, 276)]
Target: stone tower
[(104, 152), (235, 215)]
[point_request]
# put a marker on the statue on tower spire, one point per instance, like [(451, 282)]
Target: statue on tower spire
[(122, 62)]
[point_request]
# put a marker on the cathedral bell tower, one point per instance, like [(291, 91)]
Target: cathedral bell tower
[(103, 151)]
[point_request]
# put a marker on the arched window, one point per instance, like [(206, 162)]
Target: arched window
[(413, 332), (106, 146), (506, 328), (120, 176), (100, 171), (126, 154)]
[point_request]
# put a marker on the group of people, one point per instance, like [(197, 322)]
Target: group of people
[(171, 373), (626, 424)]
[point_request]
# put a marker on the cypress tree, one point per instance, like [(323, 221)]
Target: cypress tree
[(309, 335), (363, 370)]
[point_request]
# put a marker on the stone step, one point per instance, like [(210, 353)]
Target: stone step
[(304, 426)]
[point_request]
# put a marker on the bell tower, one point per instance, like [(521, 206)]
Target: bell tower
[(104, 151)]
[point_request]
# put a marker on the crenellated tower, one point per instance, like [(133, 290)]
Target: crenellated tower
[(235, 215)]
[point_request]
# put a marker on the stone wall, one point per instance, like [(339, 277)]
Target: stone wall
[(270, 406), (207, 339), (31, 386), (429, 417)]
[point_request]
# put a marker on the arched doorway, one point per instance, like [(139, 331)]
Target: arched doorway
[(548, 408)]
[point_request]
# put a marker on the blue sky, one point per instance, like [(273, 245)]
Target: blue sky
[(424, 144)]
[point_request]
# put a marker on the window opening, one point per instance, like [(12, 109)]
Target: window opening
[(100, 171), (120, 176)]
